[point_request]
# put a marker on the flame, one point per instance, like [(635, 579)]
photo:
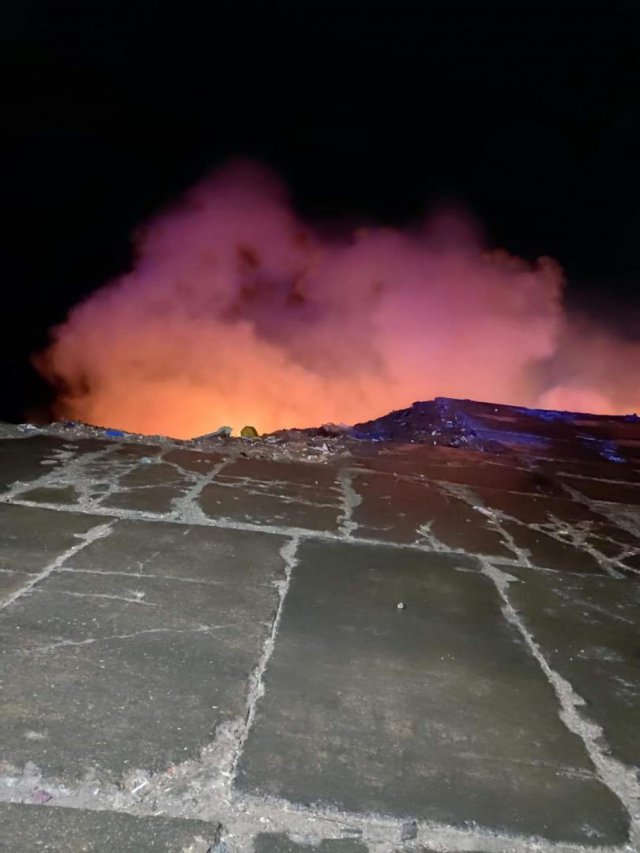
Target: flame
[(238, 312)]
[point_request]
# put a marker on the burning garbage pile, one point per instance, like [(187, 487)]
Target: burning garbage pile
[(443, 422), (238, 311)]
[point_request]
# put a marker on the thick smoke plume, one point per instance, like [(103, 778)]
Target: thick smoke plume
[(237, 312)]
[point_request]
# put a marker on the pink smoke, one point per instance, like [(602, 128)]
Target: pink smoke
[(238, 312)]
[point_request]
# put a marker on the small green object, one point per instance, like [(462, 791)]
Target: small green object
[(249, 432)]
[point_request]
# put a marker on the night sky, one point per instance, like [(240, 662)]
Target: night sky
[(526, 113)]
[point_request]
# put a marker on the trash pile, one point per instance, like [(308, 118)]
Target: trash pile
[(445, 422)]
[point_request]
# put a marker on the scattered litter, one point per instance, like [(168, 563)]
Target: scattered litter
[(139, 787), (114, 433), (28, 428), (146, 460), (221, 432), (249, 432), (409, 831), (401, 605), (334, 429), (41, 796)]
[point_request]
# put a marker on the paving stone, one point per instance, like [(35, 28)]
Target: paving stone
[(113, 673), (275, 493), (27, 829), (148, 487), (193, 460), (31, 539), (600, 470), (536, 509), (11, 582), (401, 510), (587, 629), (600, 490), (433, 712), (461, 467), (154, 499), (26, 459), (52, 495), (276, 842), (548, 552), (187, 552), (302, 473)]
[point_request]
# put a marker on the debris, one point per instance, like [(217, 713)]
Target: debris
[(28, 428), (114, 433), (334, 429), (409, 831), (40, 796), (401, 605), (221, 432), (249, 432), (146, 460)]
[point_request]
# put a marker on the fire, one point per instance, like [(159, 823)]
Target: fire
[(238, 312)]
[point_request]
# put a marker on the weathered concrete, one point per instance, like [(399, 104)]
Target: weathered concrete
[(280, 843), (588, 630), (201, 646), (24, 829), (114, 665), (435, 711)]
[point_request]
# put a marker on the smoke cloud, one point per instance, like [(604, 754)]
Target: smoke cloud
[(238, 312)]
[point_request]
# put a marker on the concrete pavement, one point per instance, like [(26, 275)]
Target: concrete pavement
[(203, 648)]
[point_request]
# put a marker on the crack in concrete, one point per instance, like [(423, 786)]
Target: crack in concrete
[(72, 473), (288, 553), (136, 597), (98, 532), (137, 575), (621, 779), (185, 506), (201, 629)]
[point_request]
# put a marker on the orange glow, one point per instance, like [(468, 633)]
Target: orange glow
[(236, 312)]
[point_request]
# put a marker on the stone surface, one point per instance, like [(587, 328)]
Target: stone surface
[(27, 829), (275, 493), (31, 539), (400, 510), (114, 672), (275, 842), (245, 638), (588, 631), (27, 459), (436, 711)]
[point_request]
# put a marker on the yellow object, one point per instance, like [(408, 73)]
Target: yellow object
[(249, 432)]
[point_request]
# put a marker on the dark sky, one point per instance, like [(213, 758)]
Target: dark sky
[(528, 113)]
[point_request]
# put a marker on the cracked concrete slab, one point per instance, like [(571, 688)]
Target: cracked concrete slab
[(265, 492), (401, 510), (588, 631), (435, 711), (31, 538), (115, 673), (27, 828), (27, 459)]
